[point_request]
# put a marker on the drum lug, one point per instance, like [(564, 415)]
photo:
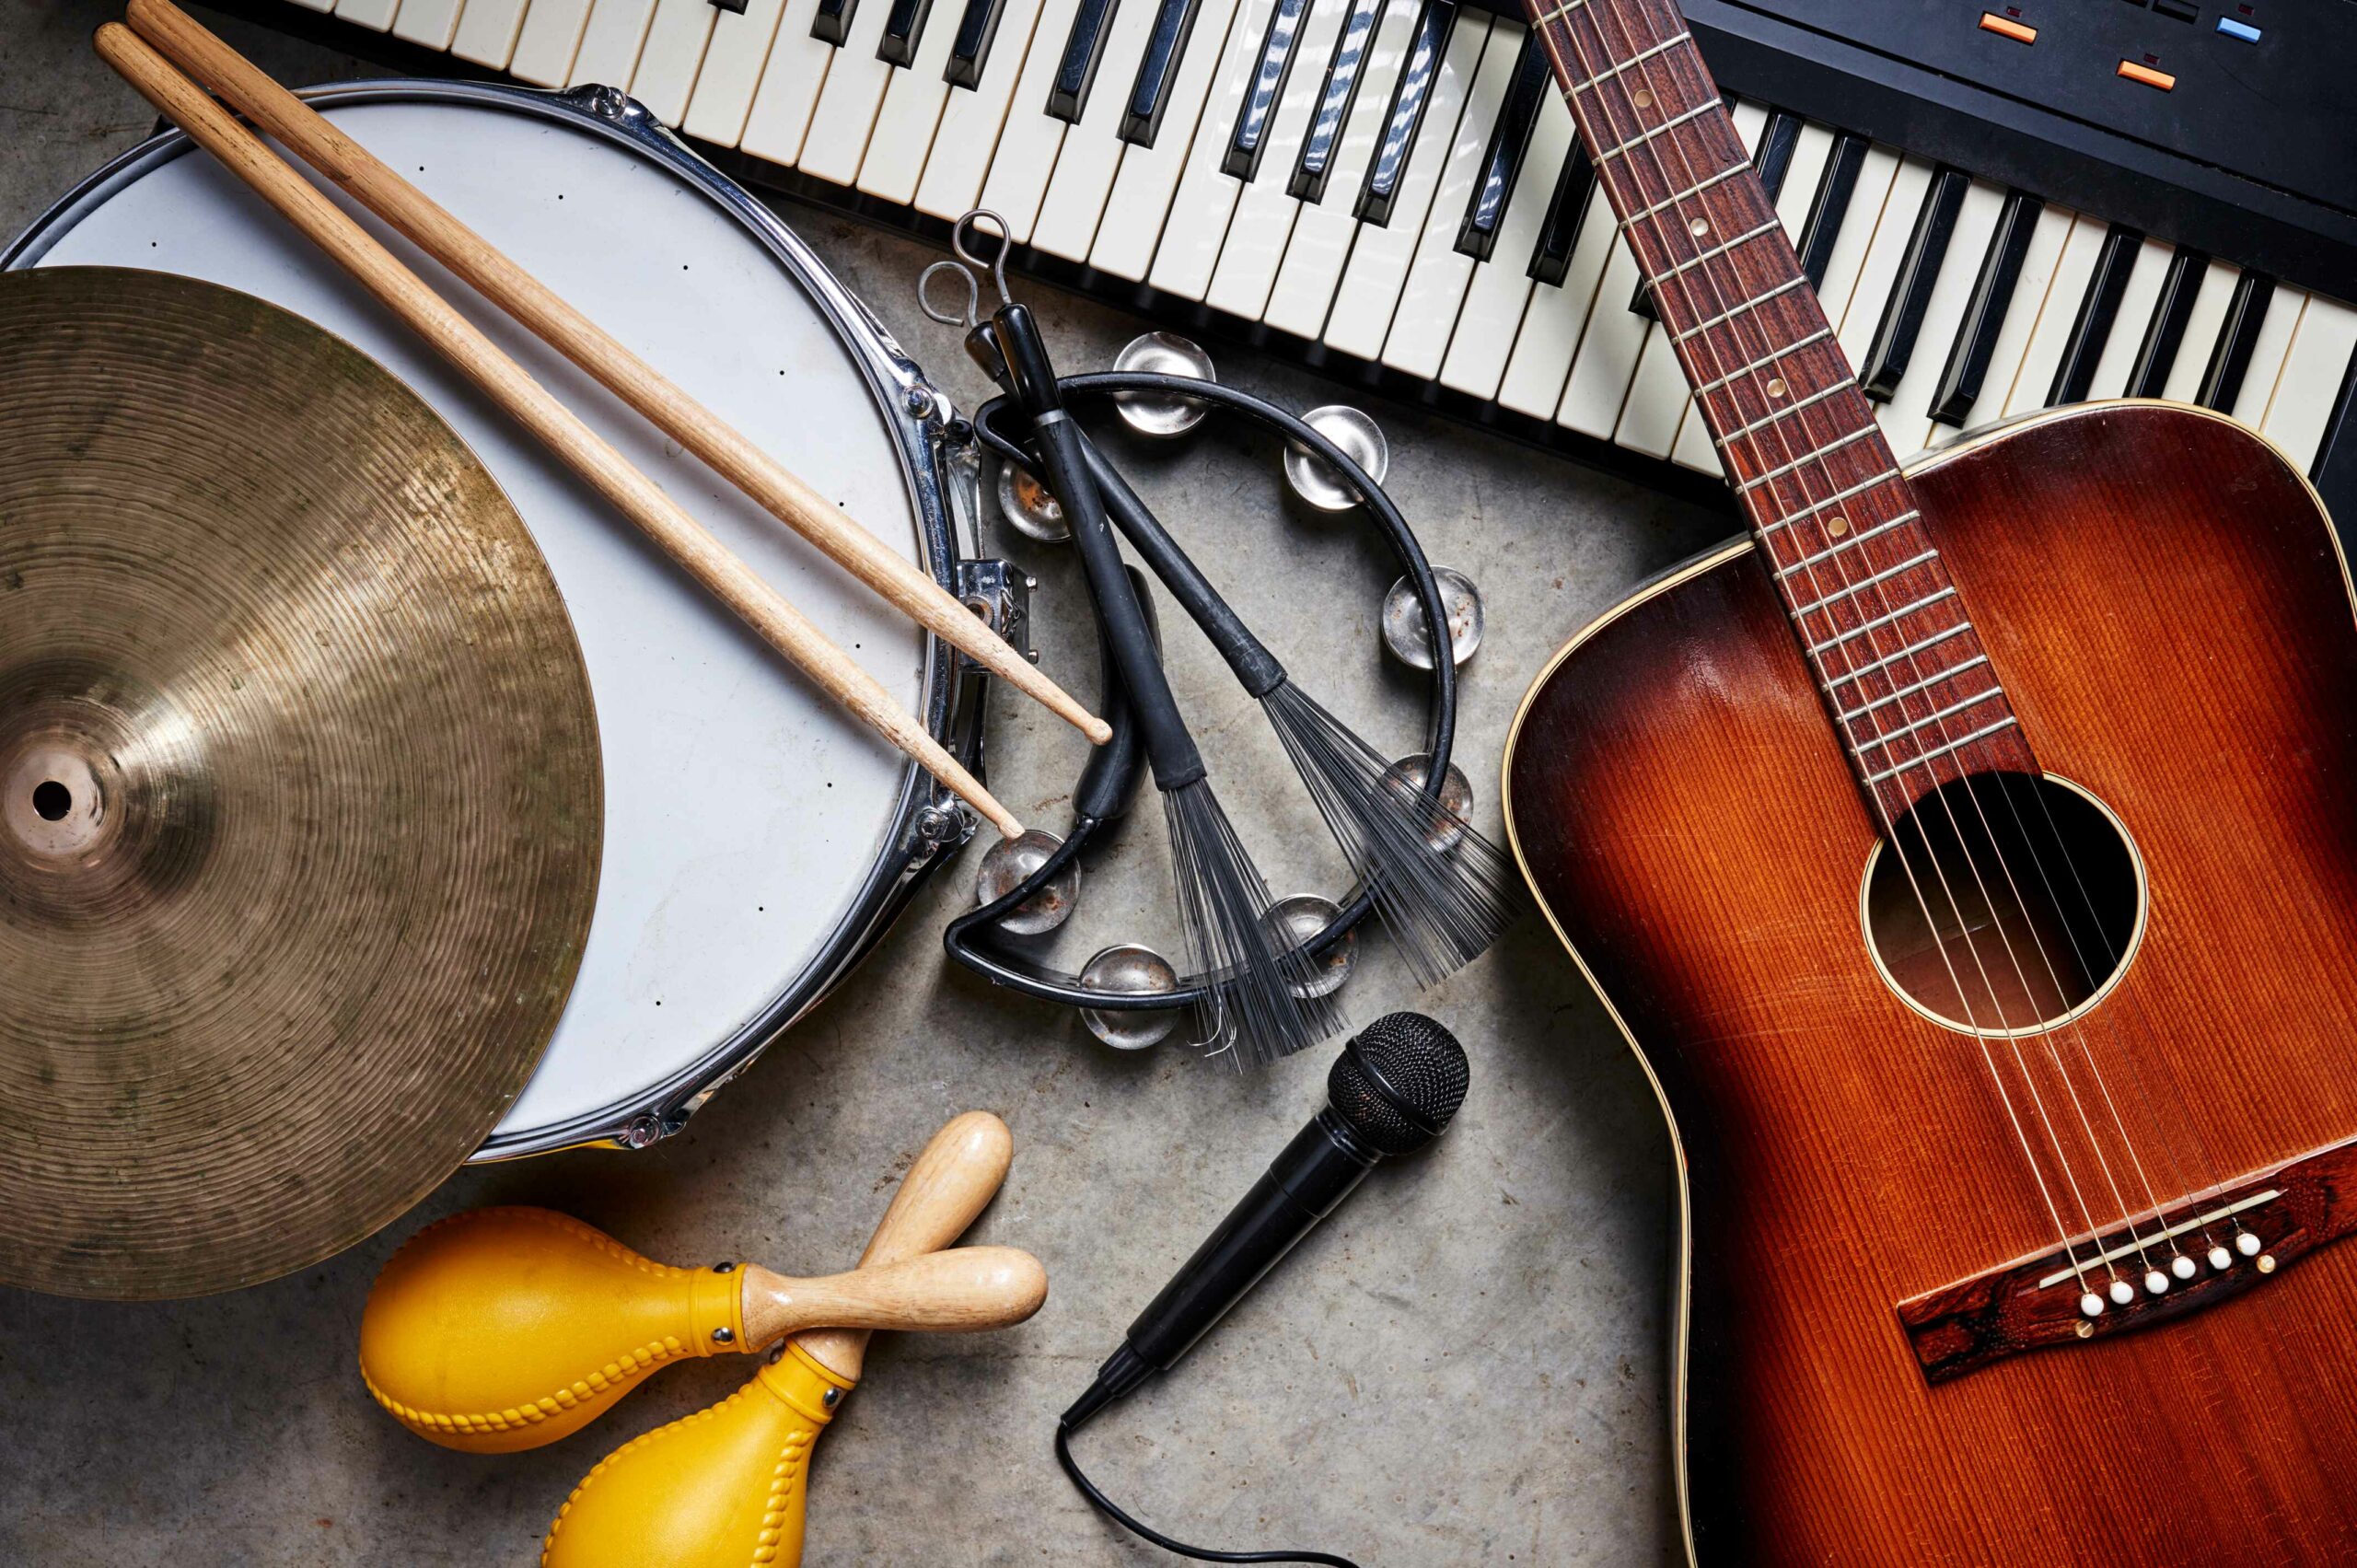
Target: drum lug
[(612, 105), (1001, 595), (943, 824)]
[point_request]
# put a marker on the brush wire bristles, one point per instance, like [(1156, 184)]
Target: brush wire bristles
[(1445, 890), (1257, 1005)]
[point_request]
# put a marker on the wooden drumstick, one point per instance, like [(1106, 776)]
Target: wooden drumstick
[(687, 542), (378, 187), (950, 1184)]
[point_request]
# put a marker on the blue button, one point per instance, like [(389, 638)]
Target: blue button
[(2234, 28)]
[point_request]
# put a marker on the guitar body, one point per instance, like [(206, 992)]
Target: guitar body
[(2164, 600)]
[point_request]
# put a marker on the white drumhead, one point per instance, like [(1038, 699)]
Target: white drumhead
[(745, 814)]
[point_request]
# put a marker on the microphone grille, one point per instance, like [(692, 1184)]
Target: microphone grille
[(1400, 1082)]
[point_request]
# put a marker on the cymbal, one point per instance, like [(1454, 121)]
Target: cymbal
[(300, 799)]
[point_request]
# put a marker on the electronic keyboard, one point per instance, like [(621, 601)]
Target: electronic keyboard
[(2001, 210)]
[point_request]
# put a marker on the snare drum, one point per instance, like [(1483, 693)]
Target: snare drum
[(756, 839)]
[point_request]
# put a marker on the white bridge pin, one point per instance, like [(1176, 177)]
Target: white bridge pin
[(2246, 1244), (2181, 1266), (2221, 1260), (2090, 1303), (2122, 1292), (2157, 1282)]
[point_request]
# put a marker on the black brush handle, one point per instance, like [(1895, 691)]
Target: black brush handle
[(1168, 748), (1110, 778)]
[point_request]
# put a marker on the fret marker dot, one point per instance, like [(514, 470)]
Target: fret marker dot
[(1838, 527), (1699, 227), (1776, 387), (1642, 99)]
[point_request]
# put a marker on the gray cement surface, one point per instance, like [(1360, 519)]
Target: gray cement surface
[(1465, 1366)]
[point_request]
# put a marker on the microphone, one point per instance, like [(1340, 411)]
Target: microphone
[(1392, 1091)]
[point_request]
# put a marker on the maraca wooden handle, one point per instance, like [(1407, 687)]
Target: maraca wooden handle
[(959, 1291)]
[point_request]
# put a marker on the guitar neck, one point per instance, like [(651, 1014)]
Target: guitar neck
[(1910, 687)]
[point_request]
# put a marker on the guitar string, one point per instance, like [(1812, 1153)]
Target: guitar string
[(2073, 1028), (1923, 902)]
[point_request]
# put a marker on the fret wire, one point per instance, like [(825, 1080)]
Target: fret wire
[(1621, 148), (1732, 312), (1740, 431), (1864, 582), (1600, 77), (1920, 758), (1830, 551), (1879, 622), (1558, 13), (1833, 500), (1715, 253), (1912, 687), (1909, 652), (1883, 742), (1663, 206), (1748, 485), (1773, 355)]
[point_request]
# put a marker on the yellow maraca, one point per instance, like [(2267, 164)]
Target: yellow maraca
[(727, 1486), (505, 1328)]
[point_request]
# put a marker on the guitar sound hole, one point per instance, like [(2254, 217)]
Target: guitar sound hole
[(2026, 903)]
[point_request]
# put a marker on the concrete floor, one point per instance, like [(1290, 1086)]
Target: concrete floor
[(1466, 1366)]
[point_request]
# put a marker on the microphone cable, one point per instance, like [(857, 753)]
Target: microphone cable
[(1106, 1505)]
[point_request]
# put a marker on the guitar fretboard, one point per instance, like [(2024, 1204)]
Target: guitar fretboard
[(1910, 688)]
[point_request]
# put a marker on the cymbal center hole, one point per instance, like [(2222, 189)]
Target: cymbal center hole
[(51, 800)]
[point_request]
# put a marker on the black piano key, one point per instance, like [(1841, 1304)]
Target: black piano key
[(1345, 72), (1984, 314), (2222, 383), (1772, 158), (901, 26), (1919, 270), (2165, 333), (1249, 139), (970, 52), (1558, 232), (1165, 45), (832, 22), (1409, 96), (2098, 309), (1822, 229), (1477, 236), (2335, 470), (1084, 48)]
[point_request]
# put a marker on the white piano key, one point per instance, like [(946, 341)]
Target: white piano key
[(610, 44), (1197, 227), (2022, 312), (314, 5), (2118, 361), (375, 14), (732, 70), (1551, 331), (545, 47), (845, 116), (1027, 147), (1381, 258), (1092, 148), (487, 31), (1265, 210), (1879, 272), (1148, 180), (2202, 329), (1322, 233), (2314, 372), (780, 117), (2034, 376), (1606, 360), (973, 121), (1659, 395), (1499, 294), (913, 101), (427, 22), (1906, 419), (2267, 356), (1877, 172), (666, 77), (1436, 278)]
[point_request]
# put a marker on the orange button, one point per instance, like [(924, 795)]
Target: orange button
[(2005, 26), (2146, 74)]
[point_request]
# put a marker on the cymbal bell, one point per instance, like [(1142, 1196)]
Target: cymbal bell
[(300, 798)]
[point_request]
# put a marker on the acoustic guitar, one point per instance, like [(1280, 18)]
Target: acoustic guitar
[(1970, 857)]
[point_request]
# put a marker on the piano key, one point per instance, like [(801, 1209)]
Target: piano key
[(973, 117), (2165, 330), (1606, 360), (1092, 25), (902, 29), (1551, 327), (1427, 310), (1403, 116), (970, 52), (845, 116), (1876, 279), (833, 20), (2047, 237), (1322, 142), (732, 70), (1264, 89), (1158, 71), (2098, 309), (1835, 190), (1967, 370), (1092, 149), (486, 33), (2314, 372), (666, 76), (2222, 382), (1476, 235), (1496, 299), (2073, 269), (1383, 255), (1324, 230), (1558, 231), (545, 46), (1893, 351), (1852, 244), (1027, 146), (1773, 159), (913, 102), (427, 22), (2137, 302), (2202, 329), (375, 14), (2268, 350), (1148, 180), (780, 117), (321, 6), (1264, 209), (610, 44), (1188, 248), (1906, 417)]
